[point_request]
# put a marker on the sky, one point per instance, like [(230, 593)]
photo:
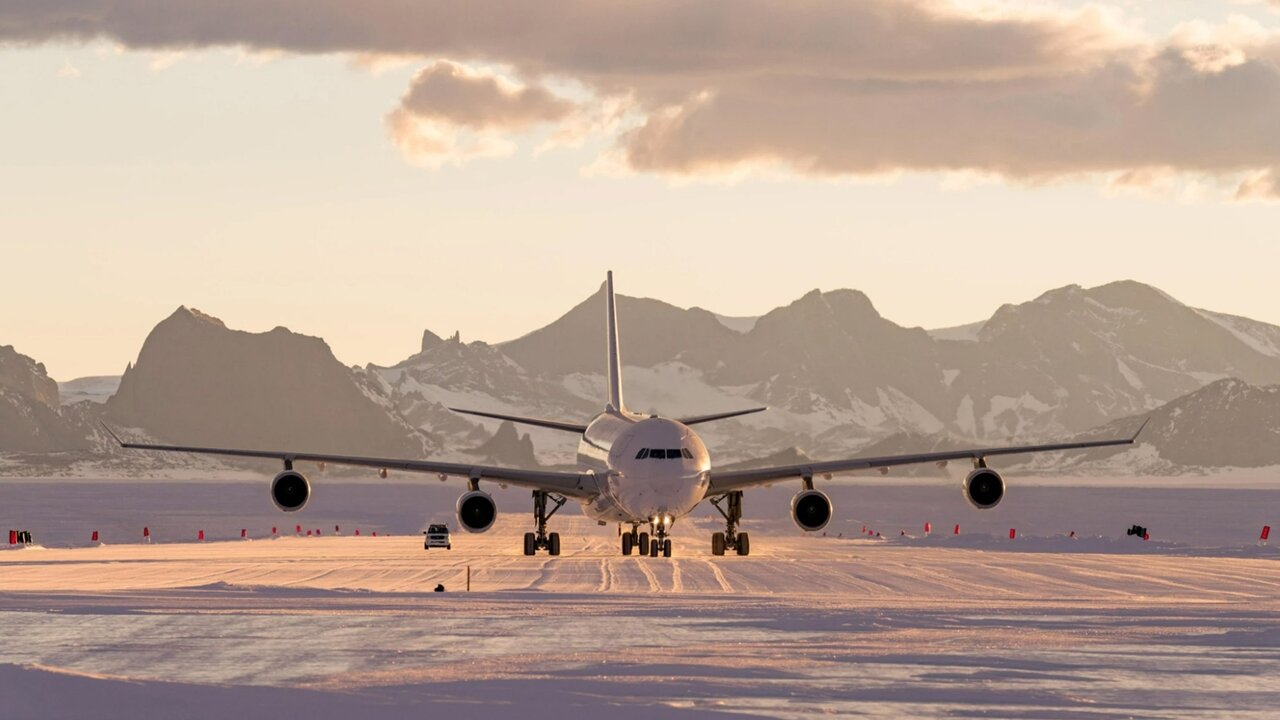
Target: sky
[(361, 171)]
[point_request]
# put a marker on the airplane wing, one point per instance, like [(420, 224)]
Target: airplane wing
[(696, 419), (722, 482), (576, 485)]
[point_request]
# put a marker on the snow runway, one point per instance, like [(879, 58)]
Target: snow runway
[(333, 626)]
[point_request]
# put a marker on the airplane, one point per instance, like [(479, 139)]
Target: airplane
[(639, 470)]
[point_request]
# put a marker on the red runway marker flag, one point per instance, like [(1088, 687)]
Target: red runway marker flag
[(1266, 533), (1013, 533), (957, 530), (95, 536), (200, 537)]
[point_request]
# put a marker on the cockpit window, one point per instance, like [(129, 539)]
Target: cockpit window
[(664, 454)]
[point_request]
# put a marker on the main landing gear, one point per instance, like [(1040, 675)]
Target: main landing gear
[(533, 542), (650, 543), (730, 539)]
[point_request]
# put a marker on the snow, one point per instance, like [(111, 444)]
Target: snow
[(340, 627), (93, 389), (962, 333), (742, 325), (1129, 375), (1261, 337)]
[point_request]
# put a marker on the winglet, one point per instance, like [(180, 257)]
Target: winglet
[(1141, 427), (112, 433)]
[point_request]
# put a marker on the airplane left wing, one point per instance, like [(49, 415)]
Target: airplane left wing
[(576, 485), (722, 482)]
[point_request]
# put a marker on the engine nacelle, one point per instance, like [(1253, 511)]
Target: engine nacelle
[(984, 488), (290, 491), (476, 511), (811, 510)]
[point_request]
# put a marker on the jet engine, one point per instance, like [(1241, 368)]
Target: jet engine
[(984, 488), (290, 490), (476, 511), (811, 510)]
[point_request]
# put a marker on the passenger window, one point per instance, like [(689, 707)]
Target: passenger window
[(673, 454), (644, 453), (686, 452)]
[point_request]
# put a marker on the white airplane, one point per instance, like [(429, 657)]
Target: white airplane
[(639, 470)]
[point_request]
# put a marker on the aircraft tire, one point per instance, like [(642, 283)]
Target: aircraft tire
[(744, 544), (643, 545), (553, 543), (530, 544), (717, 543), (626, 543), (653, 548), (666, 548)]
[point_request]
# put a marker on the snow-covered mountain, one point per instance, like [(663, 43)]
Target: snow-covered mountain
[(838, 377)]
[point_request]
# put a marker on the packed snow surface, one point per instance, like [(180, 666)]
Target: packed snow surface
[(337, 626)]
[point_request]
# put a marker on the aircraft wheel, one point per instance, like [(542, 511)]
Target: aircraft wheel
[(530, 544), (717, 543), (644, 543), (744, 544), (666, 548), (626, 544), (653, 548), (553, 543)]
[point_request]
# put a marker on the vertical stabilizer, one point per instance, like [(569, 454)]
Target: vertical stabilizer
[(615, 361)]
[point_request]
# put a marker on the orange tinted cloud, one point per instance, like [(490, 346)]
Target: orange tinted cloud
[(827, 87)]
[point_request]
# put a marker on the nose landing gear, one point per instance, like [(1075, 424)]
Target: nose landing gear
[(650, 543), (533, 542), (730, 539)]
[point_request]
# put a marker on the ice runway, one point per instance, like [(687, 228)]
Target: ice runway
[(334, 626)]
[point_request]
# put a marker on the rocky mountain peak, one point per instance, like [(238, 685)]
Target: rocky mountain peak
[(23, 376)]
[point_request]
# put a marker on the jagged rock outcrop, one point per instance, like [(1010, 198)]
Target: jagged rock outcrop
[(507, 447), (196, 381), (31, 418)]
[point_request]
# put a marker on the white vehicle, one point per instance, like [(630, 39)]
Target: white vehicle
[(645, 471), (436, 536)]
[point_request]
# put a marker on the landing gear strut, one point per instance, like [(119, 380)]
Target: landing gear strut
[(730, 539), (533, 542)]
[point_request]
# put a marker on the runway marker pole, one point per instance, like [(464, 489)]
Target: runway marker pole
[(1013, 533), (200, 537), (957, 530), (13, 537), (95, 537), (146, 534), (928, 527), (1266, 533), (244, 533)]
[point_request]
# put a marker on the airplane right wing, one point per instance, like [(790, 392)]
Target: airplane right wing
[(722, 482)]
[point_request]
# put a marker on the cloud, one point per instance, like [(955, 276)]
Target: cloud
[(453, 113), (1026, 91), (1261, 185), (68, 70)]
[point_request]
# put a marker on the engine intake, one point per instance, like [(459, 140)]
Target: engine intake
[(290, 491), (811, 510), (984, 488), (476, 511)]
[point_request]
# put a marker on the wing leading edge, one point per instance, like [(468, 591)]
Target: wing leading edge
[(722, 482), (576, 485)]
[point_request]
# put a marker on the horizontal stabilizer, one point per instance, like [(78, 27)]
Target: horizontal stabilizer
[(553, 424), (719, 416)]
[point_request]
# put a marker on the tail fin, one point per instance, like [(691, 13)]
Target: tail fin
[(615, 362)]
